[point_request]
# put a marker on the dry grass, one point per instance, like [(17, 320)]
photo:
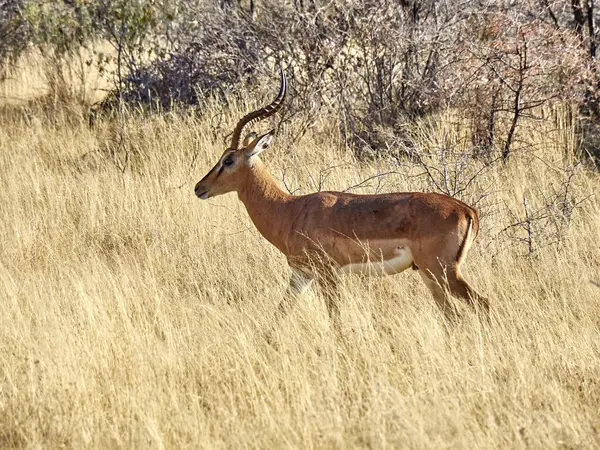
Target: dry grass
[(29, 78), (133, 315)]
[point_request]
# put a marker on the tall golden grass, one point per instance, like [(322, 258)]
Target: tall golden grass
[(132, 315)]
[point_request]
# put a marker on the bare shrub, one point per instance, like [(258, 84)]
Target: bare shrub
[(546, 214), (377, 65), (511, 69), (14, 33)]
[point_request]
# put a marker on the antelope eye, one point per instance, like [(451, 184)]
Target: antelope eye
[(228, 161)]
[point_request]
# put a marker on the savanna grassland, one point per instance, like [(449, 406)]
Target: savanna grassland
[(132, 315)]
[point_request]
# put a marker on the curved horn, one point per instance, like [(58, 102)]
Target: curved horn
[(259, 114)]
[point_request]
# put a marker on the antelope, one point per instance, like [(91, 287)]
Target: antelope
[(324, 234)]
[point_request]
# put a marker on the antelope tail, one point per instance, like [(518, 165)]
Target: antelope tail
[(470, 235)]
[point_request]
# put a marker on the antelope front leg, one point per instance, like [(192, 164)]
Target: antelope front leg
[(299, 283), (327, 280)]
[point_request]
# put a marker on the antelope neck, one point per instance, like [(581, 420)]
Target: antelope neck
[(265, 202)]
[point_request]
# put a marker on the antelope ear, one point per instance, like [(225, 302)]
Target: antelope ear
[(248, 139), (259, 144)]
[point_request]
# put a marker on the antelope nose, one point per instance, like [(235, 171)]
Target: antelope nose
[(201, 191)]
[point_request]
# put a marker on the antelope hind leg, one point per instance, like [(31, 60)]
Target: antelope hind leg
[(441, 297)]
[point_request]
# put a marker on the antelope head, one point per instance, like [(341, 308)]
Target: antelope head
[(229, 172)]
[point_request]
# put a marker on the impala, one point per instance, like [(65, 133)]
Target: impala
[(327, 233)]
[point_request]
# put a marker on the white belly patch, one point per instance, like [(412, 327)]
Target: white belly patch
[(402, 260)]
